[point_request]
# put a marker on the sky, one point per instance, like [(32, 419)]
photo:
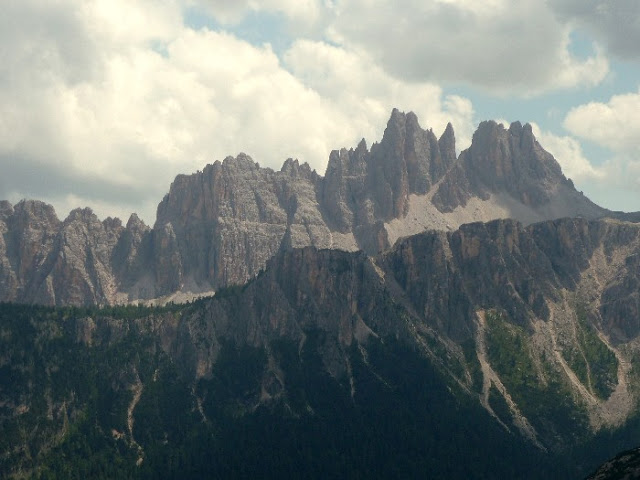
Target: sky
[(104, 102)]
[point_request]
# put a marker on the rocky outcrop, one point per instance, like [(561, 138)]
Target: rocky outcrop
[(620, 302), (521, 269), (363, 189), (495, 310), (220, 226), (29, 237), (74, 262), (132, 260), (510, 162), (407, 161), (81, 269)]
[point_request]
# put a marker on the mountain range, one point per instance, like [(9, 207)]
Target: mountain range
[(218, 227), (409, 314)]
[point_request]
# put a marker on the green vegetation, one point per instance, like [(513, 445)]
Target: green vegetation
[(547, 404), (440, 352), (39, 313), (509, 352), (88, 452), (235, 386), (591, 360), (499, 405), (576, 360), (473, 364), (603, 363), (68, 394), (230, 291), (402, 419)]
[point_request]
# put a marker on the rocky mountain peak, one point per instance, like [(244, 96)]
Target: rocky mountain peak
[(136, 224), (6, 209), (241, 162), (516, 127), (292, 168), (524, 133), (488, 137), (510, 162), (399, 126), (34, 212), (447, 144), (111, 223), (407, 161), (396, 121), (81, 215), (220, 225)]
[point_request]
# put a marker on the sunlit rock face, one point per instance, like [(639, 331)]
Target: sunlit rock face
[(220, 226)]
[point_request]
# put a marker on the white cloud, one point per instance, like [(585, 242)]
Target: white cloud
[(366, 93), (615, 124), (234, 11), (507, 47), (95, 112), (104, 102), (619, 188), (616, 23), (568, 152), (613, 184), (517, 47), (125, 22)]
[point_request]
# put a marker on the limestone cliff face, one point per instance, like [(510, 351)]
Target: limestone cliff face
[(511, 162), (44, 260), (363, 189), (80, 262), (29, 237), (620, 301), (408, 160), (541, 279), (537, 325), (511, 295), (220, 226), (523, 270), (546, 290), (132, 260), (8, 282)]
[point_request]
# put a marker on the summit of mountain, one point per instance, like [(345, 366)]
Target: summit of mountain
[(219, 226), (513, 168)]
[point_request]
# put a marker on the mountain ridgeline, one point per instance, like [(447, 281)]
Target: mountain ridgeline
[(219, 227)]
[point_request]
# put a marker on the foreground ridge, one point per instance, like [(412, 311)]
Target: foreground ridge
[(513, 346)]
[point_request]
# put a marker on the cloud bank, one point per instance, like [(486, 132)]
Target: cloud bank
[(104, 102), (614, 125)]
